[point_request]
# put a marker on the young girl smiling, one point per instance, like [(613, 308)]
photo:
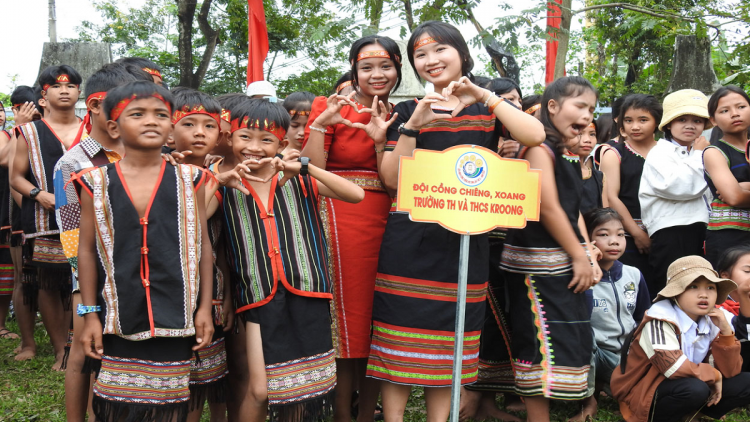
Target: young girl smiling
[(419, 261), (346, 135)]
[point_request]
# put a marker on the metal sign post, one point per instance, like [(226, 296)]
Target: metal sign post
[(458, 345), (468, 190)]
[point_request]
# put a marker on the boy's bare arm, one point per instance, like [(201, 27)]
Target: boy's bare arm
[(87, 277), (204, 328), (334, 186)]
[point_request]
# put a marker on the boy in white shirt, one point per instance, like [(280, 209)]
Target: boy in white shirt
[(673, 194)]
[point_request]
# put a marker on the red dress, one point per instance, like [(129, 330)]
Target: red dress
[(354, 231)]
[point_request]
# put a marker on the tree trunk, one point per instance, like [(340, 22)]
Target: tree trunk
[(692, 66), (563, 38), (375, 12), (185, 16), (409, 15), (212, 38)]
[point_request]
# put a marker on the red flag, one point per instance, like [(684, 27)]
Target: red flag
[(257, 40), (553, 21)]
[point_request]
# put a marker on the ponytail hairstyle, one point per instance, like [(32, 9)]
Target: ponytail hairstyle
[(729, 258), (560, 90), (388, 45), (599, 216), (443, 33)]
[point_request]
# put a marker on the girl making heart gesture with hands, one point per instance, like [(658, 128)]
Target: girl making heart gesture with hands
[(413, 310)]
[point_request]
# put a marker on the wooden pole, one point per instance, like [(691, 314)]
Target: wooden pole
[(52, 22)]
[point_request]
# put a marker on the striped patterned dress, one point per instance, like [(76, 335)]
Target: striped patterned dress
[(552, 342), (414, 308), (727, 226), (278, 262)]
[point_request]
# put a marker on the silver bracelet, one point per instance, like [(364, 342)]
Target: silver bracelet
[(317, 129)]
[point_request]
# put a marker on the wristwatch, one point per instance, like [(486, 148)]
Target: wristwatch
[(34, 192), (305, 161), (408, 132)]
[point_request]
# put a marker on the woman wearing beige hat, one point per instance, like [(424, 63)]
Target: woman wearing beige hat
[(673, 194), (666, 375)]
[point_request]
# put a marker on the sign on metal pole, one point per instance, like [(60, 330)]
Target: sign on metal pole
[(468, 190)]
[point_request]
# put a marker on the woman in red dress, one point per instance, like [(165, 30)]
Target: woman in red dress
[(346, 136)]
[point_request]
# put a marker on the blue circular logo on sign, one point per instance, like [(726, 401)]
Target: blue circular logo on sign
[(471, 169)]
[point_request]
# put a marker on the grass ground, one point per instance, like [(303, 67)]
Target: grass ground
[(30, 391)]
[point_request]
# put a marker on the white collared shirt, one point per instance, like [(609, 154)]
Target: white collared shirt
[(696, 337)]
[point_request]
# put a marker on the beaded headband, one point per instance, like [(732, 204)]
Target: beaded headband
[(423, 42), (187, 111), (120, 107), (591, 125), (376, 53), (152, 72), (271, 127), (533, 109), (61, 79), (226, 116), (343, 85), (299, 113)]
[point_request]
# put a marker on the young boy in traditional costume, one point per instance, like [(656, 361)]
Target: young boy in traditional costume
[(196, 121), (40, 145), (96, 150), (144, 264), (279, 267)]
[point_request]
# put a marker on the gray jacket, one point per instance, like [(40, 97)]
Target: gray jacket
[(620, 300)]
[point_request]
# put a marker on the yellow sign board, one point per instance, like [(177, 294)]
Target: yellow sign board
[(468, 189)]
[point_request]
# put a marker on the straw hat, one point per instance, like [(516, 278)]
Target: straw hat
[(685, 270), (684, 102)]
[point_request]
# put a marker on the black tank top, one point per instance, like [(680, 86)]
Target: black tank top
[(631, 168), (569, 186), (591, 195)]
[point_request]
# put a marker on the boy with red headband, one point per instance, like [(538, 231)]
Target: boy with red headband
[(40, 145), (279, 267), (96, 150), (196, 122), (144, 264)]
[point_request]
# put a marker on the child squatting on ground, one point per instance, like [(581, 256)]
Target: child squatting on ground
[(666, 376)]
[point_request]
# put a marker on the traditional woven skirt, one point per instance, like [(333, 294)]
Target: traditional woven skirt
[(551, 344), (298, 353), (208, 372), (495, 366), (145, 381), (354, 233), (414, 309), (46, 268), (6, 271)]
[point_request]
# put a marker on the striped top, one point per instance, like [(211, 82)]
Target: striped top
[(474, 119), (723, 215), (282, 243)]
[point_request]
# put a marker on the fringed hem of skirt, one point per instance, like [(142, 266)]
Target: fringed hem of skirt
[(215, 392), (312, 410), (50, 279), (111, 411), (90, 366)]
